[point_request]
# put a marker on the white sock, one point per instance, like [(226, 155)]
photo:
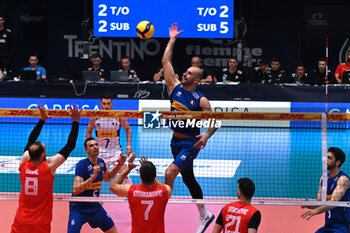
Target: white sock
[(127, 180), (202, 210)]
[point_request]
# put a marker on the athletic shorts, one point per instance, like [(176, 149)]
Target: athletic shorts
[(98, 218), (110, 156), (27, 228), (337, 229), (184, 152)]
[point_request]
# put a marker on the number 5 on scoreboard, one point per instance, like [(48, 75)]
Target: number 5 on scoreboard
[(150, 204)]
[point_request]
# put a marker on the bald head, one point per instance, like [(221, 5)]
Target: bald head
[(36, 150)]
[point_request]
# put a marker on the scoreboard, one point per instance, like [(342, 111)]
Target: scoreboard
[(198, 18)]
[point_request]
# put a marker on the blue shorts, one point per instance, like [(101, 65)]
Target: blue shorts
[(184, 152), (97, 218), (337, 229)]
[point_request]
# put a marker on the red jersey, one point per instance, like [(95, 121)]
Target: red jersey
[(147, 206), (341, 68), (35, 200), (236, 216)]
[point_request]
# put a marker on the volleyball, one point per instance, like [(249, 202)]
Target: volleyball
[(145, 29)]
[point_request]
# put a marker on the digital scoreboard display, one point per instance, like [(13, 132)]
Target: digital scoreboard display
[(198, 18)]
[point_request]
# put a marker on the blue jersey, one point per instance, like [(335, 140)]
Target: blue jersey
[(182, 100), (338, 215), (40, 71), (84, 169)]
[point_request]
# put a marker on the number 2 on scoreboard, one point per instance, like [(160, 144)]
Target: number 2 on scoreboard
[(150, 204), (234, 219)]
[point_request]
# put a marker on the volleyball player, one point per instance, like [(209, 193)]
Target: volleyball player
[(337, 219), (240, 216), (37, 173), (89, 175), (147, 201), (107, 132), (186, 142)]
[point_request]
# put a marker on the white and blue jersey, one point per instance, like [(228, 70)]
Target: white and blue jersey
[(182, 100), (337, 216)]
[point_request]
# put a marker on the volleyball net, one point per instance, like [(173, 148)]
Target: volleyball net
[(285, 154)]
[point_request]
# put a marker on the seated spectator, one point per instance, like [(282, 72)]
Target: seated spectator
[(275, 74), (96, 61), (346, 77), (1, 75), (300, 77), (207, 76), (126, 63), (260, 70), (159, 75), (318, 76), (33, 65), (341, 68), (233, 74)]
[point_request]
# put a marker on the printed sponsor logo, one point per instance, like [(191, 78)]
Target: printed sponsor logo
[(202, 167)]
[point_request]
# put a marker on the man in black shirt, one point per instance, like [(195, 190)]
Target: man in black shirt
[(275, 74), (233, 74), (126, 63), (300, 77), (318, 76), (6, 47), (96, 60)]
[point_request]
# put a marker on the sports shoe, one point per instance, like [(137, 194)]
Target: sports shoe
[(205, 222)]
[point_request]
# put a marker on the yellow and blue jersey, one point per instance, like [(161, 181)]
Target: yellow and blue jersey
[(84, 169), (182, 100)]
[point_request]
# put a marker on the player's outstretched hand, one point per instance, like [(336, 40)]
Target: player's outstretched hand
[(131, 159), (307, 214), (122, 159), (75, 113), (143, 159), (43, 114), (173, 31), (202, 142)]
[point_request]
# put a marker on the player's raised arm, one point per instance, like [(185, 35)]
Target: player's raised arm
[(89, 128), (116, 186), (108, 175), (55, 161), (35, 132), (169, 73), (128, 134)]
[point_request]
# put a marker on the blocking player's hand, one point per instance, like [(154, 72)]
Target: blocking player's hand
[(96, 170), (75, 113), (202, 142), (143, 159), (121, 160), (128, 150), (43, 114), (131, 159)]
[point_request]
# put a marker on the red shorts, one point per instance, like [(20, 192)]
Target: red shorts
[(27, 228)]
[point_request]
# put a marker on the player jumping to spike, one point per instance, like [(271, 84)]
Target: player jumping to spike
[(186, 142)]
